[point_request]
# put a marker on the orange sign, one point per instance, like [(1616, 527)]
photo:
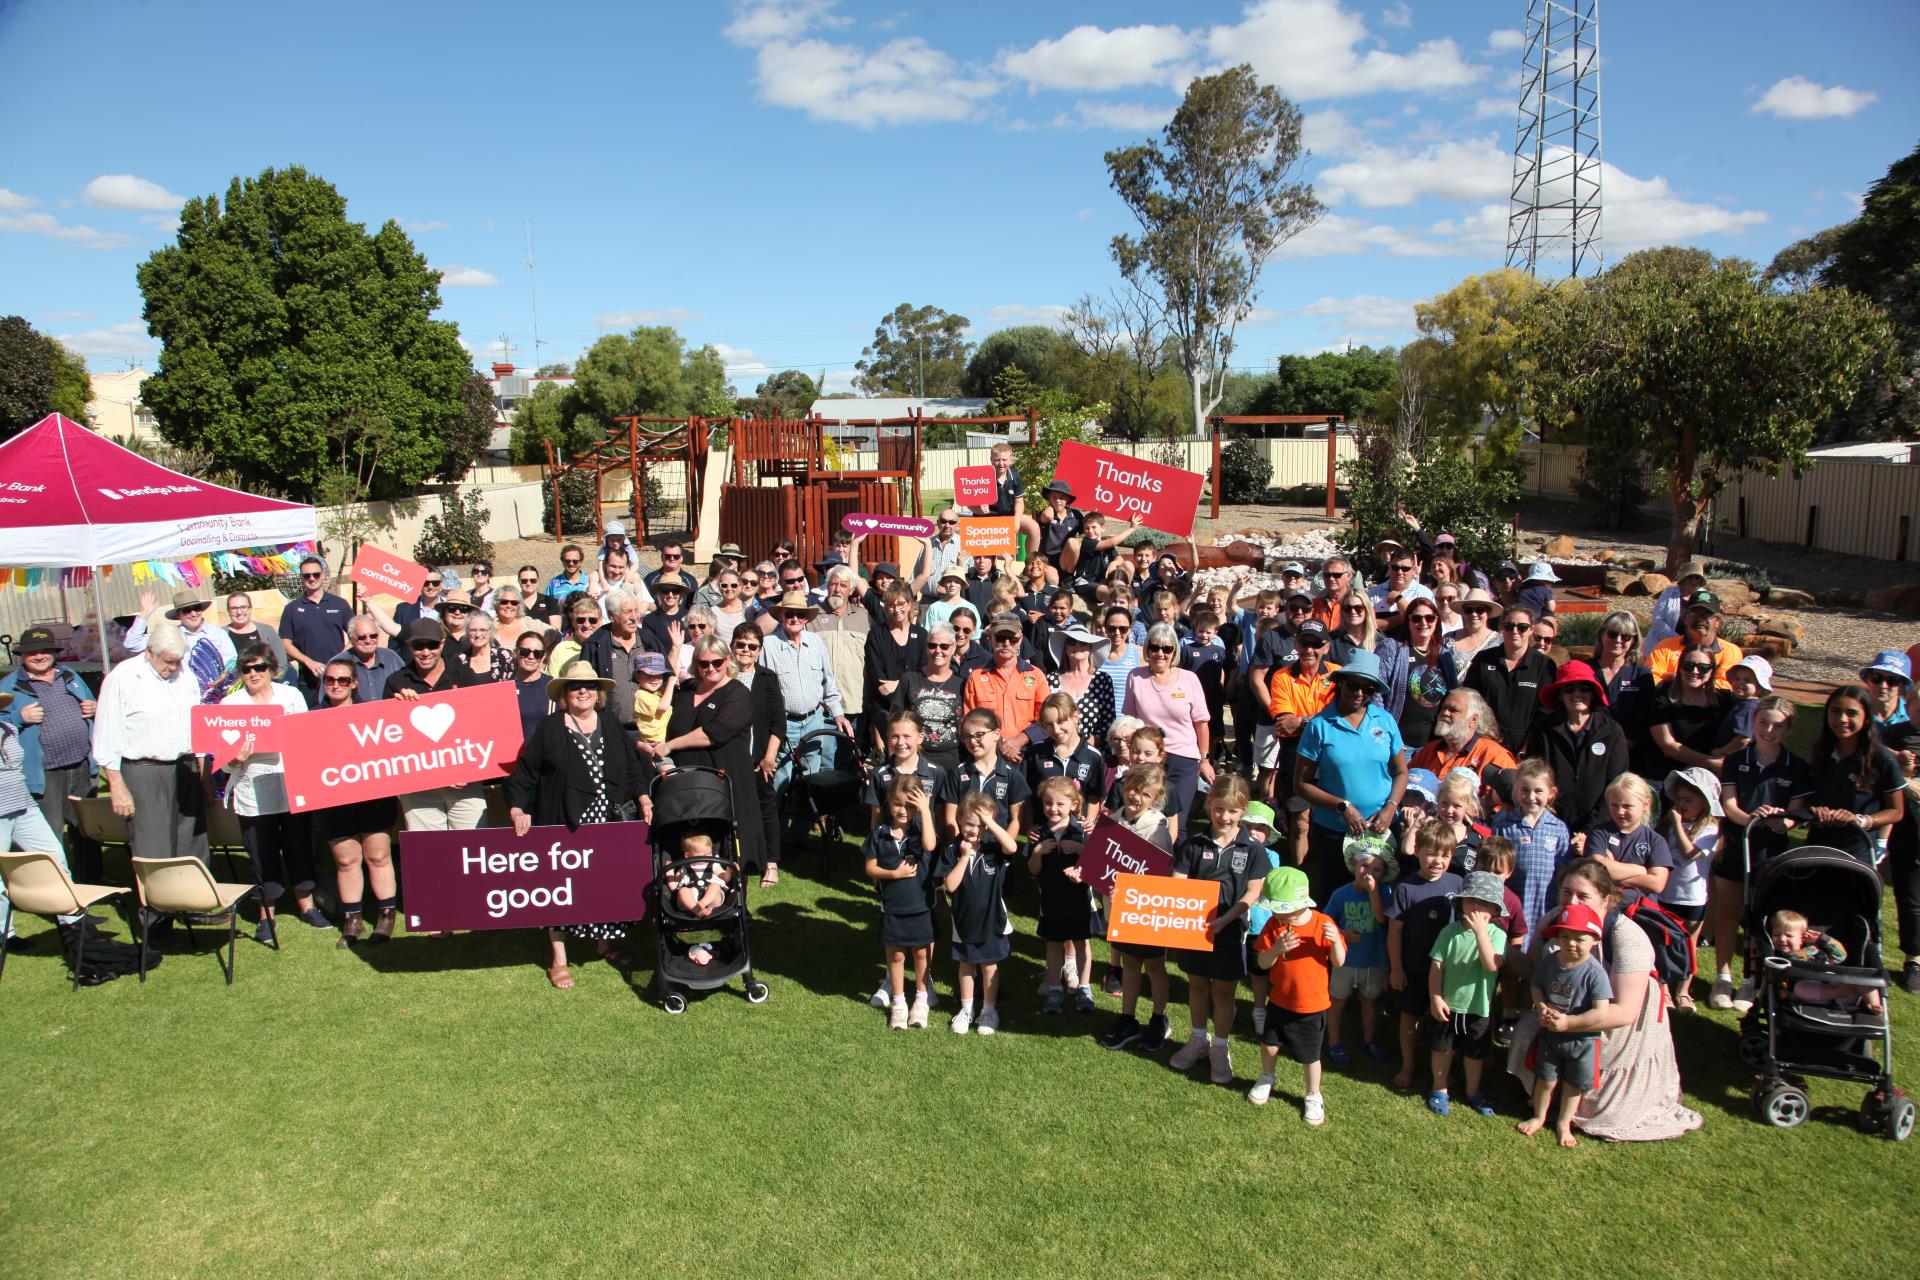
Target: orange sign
[(1161, 911), (987, 535)]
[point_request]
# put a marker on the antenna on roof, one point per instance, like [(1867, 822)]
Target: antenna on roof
[(533, 297)]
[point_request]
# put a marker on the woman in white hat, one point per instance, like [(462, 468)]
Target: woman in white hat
[(1078, 677)]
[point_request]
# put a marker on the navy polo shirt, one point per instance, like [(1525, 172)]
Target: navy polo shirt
[(317, 627)]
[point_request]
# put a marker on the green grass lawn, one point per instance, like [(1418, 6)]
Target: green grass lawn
[(432, 1108)]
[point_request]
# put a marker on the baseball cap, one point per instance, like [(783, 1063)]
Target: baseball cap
[(1294, 567), (1577, 917), (1004, 625), (650, 664), (424, 629), (1700, 600), (1311, 627)]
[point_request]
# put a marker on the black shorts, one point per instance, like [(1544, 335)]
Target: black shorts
[(1300, 1035), (1074, 928), (1692, 914), (1468, 1034), (1412, 1002), (1137, 951), (1227, 962), (907, 931)]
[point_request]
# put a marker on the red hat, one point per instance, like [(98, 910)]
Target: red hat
[(1577, 917), (1574, 672)]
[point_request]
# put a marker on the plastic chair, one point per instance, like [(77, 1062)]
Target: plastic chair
[(38, 884), (184, 887)]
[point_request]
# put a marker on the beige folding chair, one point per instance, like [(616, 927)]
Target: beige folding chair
[(38, 884), (184, 887)]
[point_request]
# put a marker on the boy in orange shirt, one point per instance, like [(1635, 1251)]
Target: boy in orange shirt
[(1299, 947)]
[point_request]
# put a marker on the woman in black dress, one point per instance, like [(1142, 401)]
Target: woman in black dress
[(359, 835), (713, 727), (1685, 724), (578, 767), (893, 649), (769, 736)]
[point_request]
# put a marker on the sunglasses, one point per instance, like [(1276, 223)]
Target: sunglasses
[(586, 622), (938, 648), (1516, 626), (729, 586), (963, 632), (793, 582), (1356, 608), (698, 626), (671, 555), (310, 577), (1300, 606), (457, 608), (1159, 648), (745, 646), (571, 564), (1480, 609), (1696, 668), (1006, 639), (337, 680), (421, 646), (1621, 637), (710, 664), (529, 582), (1422, 619), (482, 573), (583, 686), (256, 666), (1310, 643), (946, 524), (1882, 677), (1116, 626)]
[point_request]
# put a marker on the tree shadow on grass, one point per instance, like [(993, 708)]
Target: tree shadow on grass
[(421, 953)]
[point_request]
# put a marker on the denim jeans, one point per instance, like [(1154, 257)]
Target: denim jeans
[(793, 824), (28, 832)]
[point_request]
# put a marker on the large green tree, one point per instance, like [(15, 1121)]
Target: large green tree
[(38, 376), (1031, 348), (1215, 196), (287, 329), (1695, 362), (1118, 353), (916, 351), (787, 394), (1347, 382), (472, 430), (1466, 364), (648, 373)]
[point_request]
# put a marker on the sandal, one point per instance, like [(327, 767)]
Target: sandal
[(770, 878), (613, 955), (561, 977)]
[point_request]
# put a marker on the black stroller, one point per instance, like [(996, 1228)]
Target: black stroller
[(826, 794), (690, 801), (1781, 1035)]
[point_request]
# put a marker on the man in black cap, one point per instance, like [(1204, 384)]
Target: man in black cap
[(1699, 629), (53, 710), (456, 808)]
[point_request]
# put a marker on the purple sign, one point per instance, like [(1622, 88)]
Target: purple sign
[(887, 526), (1112, 849), (490, 878)]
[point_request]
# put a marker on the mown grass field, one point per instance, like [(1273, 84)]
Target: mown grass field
[(432, 1108)]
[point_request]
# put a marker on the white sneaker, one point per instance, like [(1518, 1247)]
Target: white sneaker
[(897, 1020), (1315, 1112), (1070, 975), (963, 1021), (1222, 1062), (917, 1015), (989, 1021), (1743, 998), (1722, 994), (933, 996), (1259, 1019), (1189, 1053), (882, 995), (1261, 1091)]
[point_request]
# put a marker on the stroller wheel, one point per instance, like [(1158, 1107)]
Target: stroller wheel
[(1900, 1117), (1753, 1049), (674, 1002), (1784, 1106), (757, 993)]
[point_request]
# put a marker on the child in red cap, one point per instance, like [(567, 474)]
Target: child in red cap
[(1571, 991)]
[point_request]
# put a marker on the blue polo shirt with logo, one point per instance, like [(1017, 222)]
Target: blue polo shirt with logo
[(1354, 760)]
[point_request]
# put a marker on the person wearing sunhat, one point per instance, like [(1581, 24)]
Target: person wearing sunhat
[(799, 660), (1886, 677), (1699, 629), (1299, 948), (662, 630), (1351, 770), (1535, 592), (1060, 522), (1077, 674), (952, 597), (576, 768), (189, 609), (23, 827), (1581, 743), (1461, 980), (52, 710)]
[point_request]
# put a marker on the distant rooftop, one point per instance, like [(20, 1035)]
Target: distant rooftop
[(900, 407), (1869, 451)]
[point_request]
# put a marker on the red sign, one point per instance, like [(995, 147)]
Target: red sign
[(221, 731), (975, 486), (887, 526), (492, 879), (1165, 498), (388, 748), (383, 573), (1111, 849), (1161, 911)]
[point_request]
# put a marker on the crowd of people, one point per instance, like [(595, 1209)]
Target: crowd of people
[(1412, 800)]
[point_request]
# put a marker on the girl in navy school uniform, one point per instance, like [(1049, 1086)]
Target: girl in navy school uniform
[(1066, 755), (1232, 857), (983, 772), (1067, 918), (905, 734), (1636, 856), (900, 860), (1856, 792), (973, 870)]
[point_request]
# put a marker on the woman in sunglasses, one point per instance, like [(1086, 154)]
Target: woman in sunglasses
[(769, 737), (279, 844), (359, 835), (581, 616), (1625, 680), (713, 728), (1357, 630), (536, 604), (530, 682), (1684, 723), (1119, 655), (1170, 698)]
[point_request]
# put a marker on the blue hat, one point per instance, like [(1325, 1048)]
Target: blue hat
[(1892, 662), (1361, 666), (1424, 782)]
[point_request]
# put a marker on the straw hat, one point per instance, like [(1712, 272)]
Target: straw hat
[(579, 671), (796, 602), (188, 598)]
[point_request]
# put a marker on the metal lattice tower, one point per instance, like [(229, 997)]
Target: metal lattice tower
[(1554, 227)]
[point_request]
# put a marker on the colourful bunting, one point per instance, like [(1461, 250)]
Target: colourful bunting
[(194, 572)]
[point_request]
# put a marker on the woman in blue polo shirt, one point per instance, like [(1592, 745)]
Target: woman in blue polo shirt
[(1350, 769)]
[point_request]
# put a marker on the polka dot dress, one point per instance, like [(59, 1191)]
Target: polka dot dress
[(593, 752)]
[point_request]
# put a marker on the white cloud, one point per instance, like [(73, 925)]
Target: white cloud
[(742, 363), (415, 226), (1091, 59), (452, 277), (1082, 215), (1334, 236), (1639, 213), (1311, 49), (1400, 15), (763, 21), (1130, 117), (45, 224), (125, 191), (1380, 177), (838, 380), (1329, 132), (1366, 311), (14, 202), (902, 82), (1012, 313), (1798, 98), (127, 341), (168, 223), (633, 317), (1855, 198), (1493, 108), (1505, 40)]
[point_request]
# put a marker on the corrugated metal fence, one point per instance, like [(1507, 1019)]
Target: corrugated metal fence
[(1857, 508)]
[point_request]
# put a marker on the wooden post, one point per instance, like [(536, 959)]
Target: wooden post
[(1216, 471), (1332, 437), (1033, 428), (918, 459), (553, 475)]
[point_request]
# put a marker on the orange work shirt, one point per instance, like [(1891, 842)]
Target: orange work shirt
[(1014, 697), (1481, 753), (1299, 978), (1664, 661), (1298, 695)]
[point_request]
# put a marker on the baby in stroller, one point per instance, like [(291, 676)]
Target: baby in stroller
[(1800, 944), (698, 883)]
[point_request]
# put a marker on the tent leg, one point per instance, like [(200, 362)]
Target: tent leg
[(100, 620)]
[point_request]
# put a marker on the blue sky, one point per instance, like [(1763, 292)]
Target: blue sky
[(773, 178)]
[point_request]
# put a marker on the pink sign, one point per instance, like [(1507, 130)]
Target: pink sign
[(551, 876), (1111, 850), (385, 574), (388, 748), (975, 486), (222, 731), (1165, 498), (887, 526)]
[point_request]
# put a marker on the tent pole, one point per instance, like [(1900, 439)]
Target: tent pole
[(100, 620)]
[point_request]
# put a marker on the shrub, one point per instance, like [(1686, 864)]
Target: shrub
[(1616, 484), (1751, 574), (1244, 472), (1445, 493), (1578, 631), (458, 533), (579, 504)]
